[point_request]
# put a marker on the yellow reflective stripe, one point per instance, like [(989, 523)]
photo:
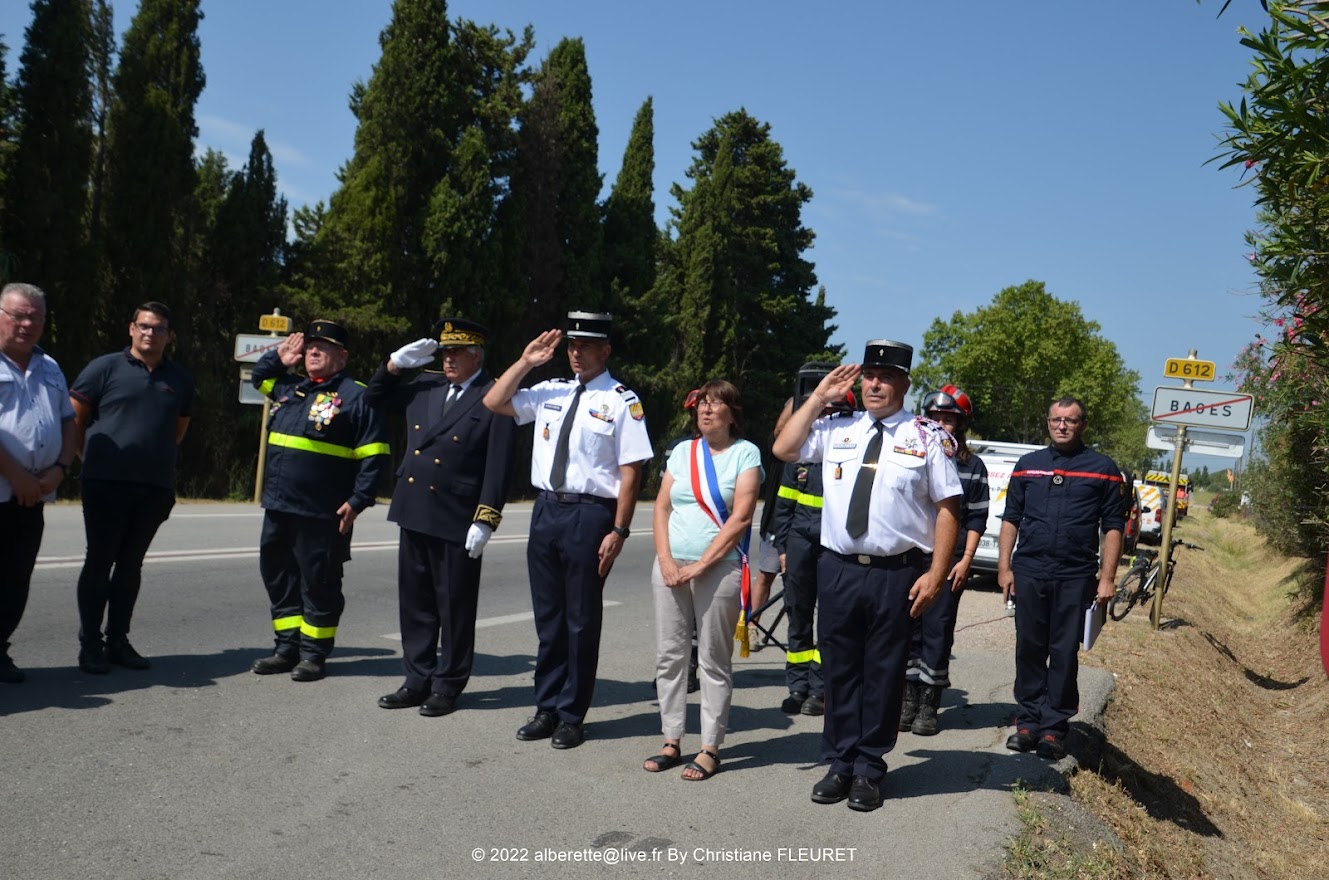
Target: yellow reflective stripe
[(788, 492), (803, 656), (372, 449), (317, 632), (816, 656), (306, 445), (809, 500), (267, 385), (281, 624)]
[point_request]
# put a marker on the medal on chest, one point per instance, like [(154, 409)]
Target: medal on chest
[(839, 472), (324, 409), (545, 432)]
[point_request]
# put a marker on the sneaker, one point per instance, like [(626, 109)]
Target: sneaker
[(9, 673), (121, 653), (1052, 747), (1022, 740), (92, 659)]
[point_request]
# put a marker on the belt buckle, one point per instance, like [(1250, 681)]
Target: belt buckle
[(864, 559)]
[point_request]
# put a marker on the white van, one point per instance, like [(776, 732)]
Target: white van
[(1000, 459)]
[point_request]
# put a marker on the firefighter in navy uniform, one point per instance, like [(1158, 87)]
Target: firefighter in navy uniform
[(890, 515), (326, 452), (799, 514), (590, 443), (451, 487)]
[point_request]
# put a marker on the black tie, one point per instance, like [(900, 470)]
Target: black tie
[(453, 394), (861, 498), (558, 474)]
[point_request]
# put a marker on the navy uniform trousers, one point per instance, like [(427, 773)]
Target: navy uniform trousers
[(563, 555), (802, 661), (438, 588), (1049, 625), (300, 559), (863, 628), (934, 636)]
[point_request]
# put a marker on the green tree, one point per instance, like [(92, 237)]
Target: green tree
[(6, 148), (1026, 349), (45, 190), (747, 311), (410, 230), (151, 177), (555, 191)]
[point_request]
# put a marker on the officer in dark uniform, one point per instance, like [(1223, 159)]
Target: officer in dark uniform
[(1058, 502), (890, 516), (590, 442), (326, 452), (451, 487)]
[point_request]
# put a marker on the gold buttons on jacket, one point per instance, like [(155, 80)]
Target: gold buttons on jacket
[(417, 452), (437, 462), (410, 479), (431, 488), (417, 427)]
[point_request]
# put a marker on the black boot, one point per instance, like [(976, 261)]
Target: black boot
[(910, 708), (929, 698)]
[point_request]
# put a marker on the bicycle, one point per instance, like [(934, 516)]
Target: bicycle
[(1143, 573)]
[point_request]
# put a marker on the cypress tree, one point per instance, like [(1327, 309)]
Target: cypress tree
[(45, 190), (150, 172), (630, 234), (748, 312)]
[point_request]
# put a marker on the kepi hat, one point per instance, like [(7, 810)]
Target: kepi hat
[(328, 331), (589, 325), (888, 353), (452, 332)]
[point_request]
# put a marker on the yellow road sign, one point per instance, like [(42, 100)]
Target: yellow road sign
[(282, 324), (1186, 368)]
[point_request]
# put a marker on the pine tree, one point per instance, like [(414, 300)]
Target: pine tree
[(150, 170), (45, 190), (747, 311)]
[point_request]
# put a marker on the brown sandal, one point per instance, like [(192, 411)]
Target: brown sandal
[(705, 774), (663, 761)]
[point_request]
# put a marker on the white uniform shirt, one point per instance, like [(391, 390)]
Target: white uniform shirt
[(34, 405), (609, 431), (914, 472)]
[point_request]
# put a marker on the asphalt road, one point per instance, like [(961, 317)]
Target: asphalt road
[(199, 769)]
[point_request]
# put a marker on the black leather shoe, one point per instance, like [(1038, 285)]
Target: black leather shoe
[(308, 670), (793, 704), (1052, 747), (274, 664), (121, 653), (864, 795), (568, 736), (402, 698), (814, 705), (833, 788), (438, 705), (539, 726), (1022, 740), (92, 659)]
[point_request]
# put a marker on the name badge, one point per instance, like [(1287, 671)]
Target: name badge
[(554, 406)]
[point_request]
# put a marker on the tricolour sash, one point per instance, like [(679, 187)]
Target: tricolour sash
[(706, 489)]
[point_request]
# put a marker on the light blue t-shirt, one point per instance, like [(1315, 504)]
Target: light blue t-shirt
[(691, 530)]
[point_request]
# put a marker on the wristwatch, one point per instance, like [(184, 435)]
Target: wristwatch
[(621, 531)]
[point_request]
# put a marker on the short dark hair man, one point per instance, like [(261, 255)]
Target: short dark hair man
[(1058, 502), (451, 487), (326, 452), (37, 445), (890, 515), (132, 408), (590, 442)]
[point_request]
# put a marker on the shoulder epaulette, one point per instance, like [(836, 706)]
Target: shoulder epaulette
[(939, 433)]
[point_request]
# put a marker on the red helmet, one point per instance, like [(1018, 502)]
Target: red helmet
[(846, 404), (949, 399), (690, 402)]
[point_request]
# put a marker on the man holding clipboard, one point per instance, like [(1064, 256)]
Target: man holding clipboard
[(1059, 501)]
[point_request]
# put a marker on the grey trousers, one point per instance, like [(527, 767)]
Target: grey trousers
[(712, 602)]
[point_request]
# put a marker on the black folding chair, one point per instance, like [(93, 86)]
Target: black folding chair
[(767, 636)]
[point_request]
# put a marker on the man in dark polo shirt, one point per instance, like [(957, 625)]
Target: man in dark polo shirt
[(132, 409)]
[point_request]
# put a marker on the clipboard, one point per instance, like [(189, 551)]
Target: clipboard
[(1094, 618)]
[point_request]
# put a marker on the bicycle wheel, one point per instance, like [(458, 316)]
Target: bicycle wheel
[(1124, 598)]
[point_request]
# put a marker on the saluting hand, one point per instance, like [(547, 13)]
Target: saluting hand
[(292, 349), (542, 348), (837, 383)]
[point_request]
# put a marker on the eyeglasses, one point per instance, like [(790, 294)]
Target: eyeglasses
[(24, 317), (1065, 422), (153, 329), (710, 404)]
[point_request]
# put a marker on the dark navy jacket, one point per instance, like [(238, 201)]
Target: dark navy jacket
[(457, 467), (974, 509), (325, 445), (1060, 502)]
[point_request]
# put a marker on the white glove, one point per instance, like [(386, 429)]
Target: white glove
[(477, 536), (414, 354)]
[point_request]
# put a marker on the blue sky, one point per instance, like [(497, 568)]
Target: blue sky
[(952, 149)]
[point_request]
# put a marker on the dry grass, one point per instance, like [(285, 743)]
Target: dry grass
[(1217, 762)]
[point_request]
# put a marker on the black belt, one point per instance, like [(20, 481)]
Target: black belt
[(908, 559), (576, 498)]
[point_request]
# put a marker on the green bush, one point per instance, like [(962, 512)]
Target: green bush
[(1224, 504)]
